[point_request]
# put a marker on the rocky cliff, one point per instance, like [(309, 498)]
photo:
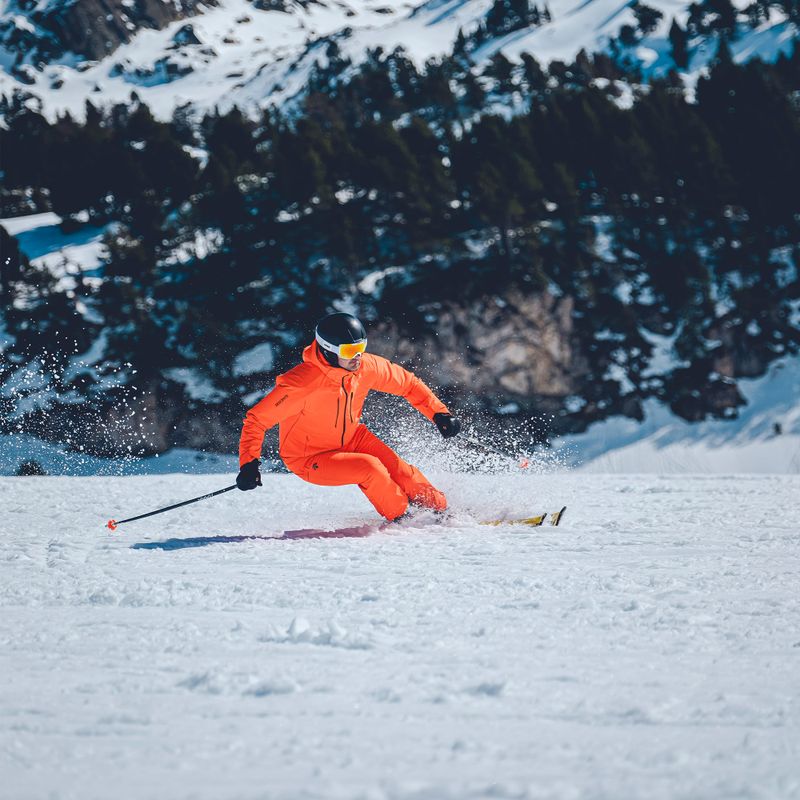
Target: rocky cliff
[(509, 351), (503, 349), (91, 29)]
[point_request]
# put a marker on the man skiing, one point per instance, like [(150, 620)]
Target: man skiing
[(318, 406)]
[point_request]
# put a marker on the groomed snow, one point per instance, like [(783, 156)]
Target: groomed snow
[(647, 648)]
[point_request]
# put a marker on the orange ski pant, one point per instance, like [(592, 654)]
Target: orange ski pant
[(388, 482)]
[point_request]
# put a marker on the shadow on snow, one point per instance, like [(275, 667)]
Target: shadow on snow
[(303, 533)]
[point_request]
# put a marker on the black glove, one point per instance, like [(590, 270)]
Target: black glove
[(447, 424), (249, 477)]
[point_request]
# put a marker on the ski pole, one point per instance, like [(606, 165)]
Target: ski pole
[(524, 463), (112, 523)]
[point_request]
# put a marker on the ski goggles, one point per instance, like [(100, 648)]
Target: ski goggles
[(346, 351)]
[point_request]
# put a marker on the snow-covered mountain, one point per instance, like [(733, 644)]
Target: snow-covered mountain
[(206, 61), (255, 54), (38, 32)]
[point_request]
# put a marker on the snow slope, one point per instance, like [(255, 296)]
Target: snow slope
[(648, 647), (664, 443), (253, 58), (236, 40)]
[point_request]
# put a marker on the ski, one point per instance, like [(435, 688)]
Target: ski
[(532, 522), (368, 529)]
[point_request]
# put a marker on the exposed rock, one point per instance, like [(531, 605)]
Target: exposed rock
[(283, 5), (165, 70), (272, 5), (185, 36), (515, 348), (90, 28)]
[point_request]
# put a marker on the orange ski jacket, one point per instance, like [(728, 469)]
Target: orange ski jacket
[(318, 407)]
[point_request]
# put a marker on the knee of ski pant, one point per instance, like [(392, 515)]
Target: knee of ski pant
[(397, 510), (366, 468)]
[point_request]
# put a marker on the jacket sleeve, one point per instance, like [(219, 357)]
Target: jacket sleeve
[(393, 379), (284, 401)]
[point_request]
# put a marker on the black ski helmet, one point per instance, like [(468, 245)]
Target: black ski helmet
[(336, 330)]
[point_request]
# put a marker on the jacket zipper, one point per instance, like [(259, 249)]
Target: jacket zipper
[(351, 407), (344, 414)]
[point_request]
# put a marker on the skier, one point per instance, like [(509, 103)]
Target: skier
[(318, 406)]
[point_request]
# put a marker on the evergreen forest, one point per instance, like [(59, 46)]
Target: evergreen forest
[(667, 219)]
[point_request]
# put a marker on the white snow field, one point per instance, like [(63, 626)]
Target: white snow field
[(649, 647)]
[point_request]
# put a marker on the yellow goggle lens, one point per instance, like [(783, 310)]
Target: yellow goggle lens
[(348, 351)]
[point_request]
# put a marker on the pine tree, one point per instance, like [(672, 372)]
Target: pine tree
[(434, 87), (497, 18), (647, 17), (723, 17), (792, 10), (723, 59), (627, 36), (27, 144), (501, 70), (533, 75), (520, 13), (182, 125), (695, 24), (474, 96), (42, 317), (679, 41), (508, 15), (10, 266), (460, 46), (583, 69), (229, 138)]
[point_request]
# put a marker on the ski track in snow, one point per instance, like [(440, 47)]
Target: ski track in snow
[(648, 647)]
